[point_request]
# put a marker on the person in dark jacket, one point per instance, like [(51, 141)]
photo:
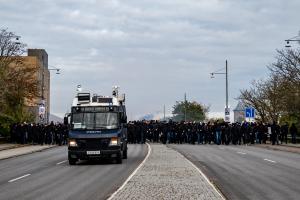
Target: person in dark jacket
[(274, 133), (293, 132), (284, 132)]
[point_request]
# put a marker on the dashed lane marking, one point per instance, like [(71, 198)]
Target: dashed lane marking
[(243, 153), (61, 162), (15, 179), (272, 161)]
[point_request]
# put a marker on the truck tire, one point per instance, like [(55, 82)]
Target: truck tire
[(119, 159), (125, 154), (72, 161)]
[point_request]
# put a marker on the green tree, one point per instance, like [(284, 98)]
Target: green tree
[(216, 120), (192, 111), (17, 82)]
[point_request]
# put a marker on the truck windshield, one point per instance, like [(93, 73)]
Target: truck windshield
[(105, 120)]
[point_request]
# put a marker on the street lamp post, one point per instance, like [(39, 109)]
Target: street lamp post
[(164, 112), (17, 42), (293, 39), (226, 84), (50, 69), (227, 112), (42, 107), (185, 107), (16, 37), (54, 68)]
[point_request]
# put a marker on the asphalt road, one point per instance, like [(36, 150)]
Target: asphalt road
[(247, 172), (47, 175)]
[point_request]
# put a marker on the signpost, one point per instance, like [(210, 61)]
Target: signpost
[(227, 115), (42, 111), (249, 113)]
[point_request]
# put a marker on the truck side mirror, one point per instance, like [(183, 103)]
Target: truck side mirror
[(125, 119), (66, 122)]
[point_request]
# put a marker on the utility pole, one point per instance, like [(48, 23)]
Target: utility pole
[(164, 112), (42, 104), (227, 111), (185, 107), (226, 85)]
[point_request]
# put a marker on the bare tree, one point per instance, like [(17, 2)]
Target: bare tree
[(255, 98), (287, 65), (10, 49), (9, 44), (287, 68), (279, 95)]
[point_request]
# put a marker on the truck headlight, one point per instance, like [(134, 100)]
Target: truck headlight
[(72, 143), (114, 141)]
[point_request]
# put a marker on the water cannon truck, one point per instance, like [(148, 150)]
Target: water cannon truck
[(97, 127)]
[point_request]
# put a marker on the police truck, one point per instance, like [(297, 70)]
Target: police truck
[(97, 127)]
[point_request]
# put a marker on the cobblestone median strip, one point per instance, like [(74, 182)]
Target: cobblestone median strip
[(168, 175)]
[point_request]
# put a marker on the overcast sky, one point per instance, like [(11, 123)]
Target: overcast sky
[(155, 50)]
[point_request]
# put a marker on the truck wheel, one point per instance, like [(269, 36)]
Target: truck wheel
[(119, 159), (72, 161), (125, 154)]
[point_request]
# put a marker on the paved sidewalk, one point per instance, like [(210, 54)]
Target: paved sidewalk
[(6, 146), (12, 152), (291, 145), (167, 175)]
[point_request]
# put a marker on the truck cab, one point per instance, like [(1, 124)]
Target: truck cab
[(97, 127)]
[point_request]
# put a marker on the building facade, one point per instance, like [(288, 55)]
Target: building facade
[(239, 113), (40, 107)]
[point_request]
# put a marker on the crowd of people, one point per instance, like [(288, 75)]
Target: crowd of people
[(208, 133), (25, 133), (168, 132)]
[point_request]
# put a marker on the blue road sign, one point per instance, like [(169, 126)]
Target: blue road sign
[(250, 112)]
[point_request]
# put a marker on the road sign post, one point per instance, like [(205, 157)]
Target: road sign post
[(249, 113), (227, 115), (42, 111)]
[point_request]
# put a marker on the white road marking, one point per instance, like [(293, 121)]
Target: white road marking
[(133, 173), (61, 162), (239, 152), (13, 180), (205, 177), (272, 161)]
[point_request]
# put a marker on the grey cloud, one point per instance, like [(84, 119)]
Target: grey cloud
[(155, 50)]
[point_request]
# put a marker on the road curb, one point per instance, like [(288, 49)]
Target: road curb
[(30, 152), (282, 145), (297, 149), (208, 179), (14, 147), (132, 174)]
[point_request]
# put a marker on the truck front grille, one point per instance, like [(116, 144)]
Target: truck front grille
[(93, 144)]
